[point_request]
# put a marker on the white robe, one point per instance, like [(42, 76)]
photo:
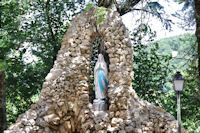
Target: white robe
[(100, 78)]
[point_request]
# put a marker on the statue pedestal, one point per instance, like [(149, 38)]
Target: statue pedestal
[(99, 105)]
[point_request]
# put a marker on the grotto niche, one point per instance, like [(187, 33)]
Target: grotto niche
[(65, 105)]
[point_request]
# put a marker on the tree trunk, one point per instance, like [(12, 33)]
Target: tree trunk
[(197, 17), (49, 22), (2, 95), (2, 102), (105, 3)]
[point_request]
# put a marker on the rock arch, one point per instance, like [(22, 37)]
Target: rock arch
[(64, 104)]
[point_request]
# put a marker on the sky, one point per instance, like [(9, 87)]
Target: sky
[(170, 7)]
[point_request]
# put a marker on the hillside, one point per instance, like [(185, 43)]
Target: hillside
[(185, 47)]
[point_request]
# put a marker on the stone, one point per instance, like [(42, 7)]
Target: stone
[(114, 60), (129, 129), (101, 131), (116, 121), (84, 97), (98, 127), (62, 129), (36, 128), (138, 130), (68, 126), (47, 130), (28, 129), (88, 131), (33, 106), (41, 122), (112, 107), (32, 121), (157, 130), (112, 129), (122, 131), (52, 119), (53, 74)]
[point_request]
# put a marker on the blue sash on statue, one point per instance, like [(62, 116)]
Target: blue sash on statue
[(103, 84)]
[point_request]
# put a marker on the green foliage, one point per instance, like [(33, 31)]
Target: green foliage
[(184, 45), (150, 72), (30, 28), (9, 38), (154, 70), (190, 96), (89, 6), (189, 100), (3, 65), (151, 68), (23, 81), (101, 12), (185, 61), (155, 6)]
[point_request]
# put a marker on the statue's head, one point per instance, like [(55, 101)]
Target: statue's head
[(101, 58), (101, 62)]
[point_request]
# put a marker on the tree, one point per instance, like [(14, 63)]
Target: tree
[(2, 96), (10, 40), (197, 17), (2, 102), (193, 18), (36, 28)]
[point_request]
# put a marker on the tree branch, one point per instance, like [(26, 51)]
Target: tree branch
[(0, 16), (50, 28), (122, 7), (49, 20), (127, 6)]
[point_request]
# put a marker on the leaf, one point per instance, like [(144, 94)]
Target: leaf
[(100, 19), (101, 11), (89, 6), (3, 65), (2, 44)]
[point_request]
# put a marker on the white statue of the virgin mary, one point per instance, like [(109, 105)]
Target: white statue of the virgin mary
[(100, 78)]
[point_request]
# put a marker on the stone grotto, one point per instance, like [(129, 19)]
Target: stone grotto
[(65, 104)]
